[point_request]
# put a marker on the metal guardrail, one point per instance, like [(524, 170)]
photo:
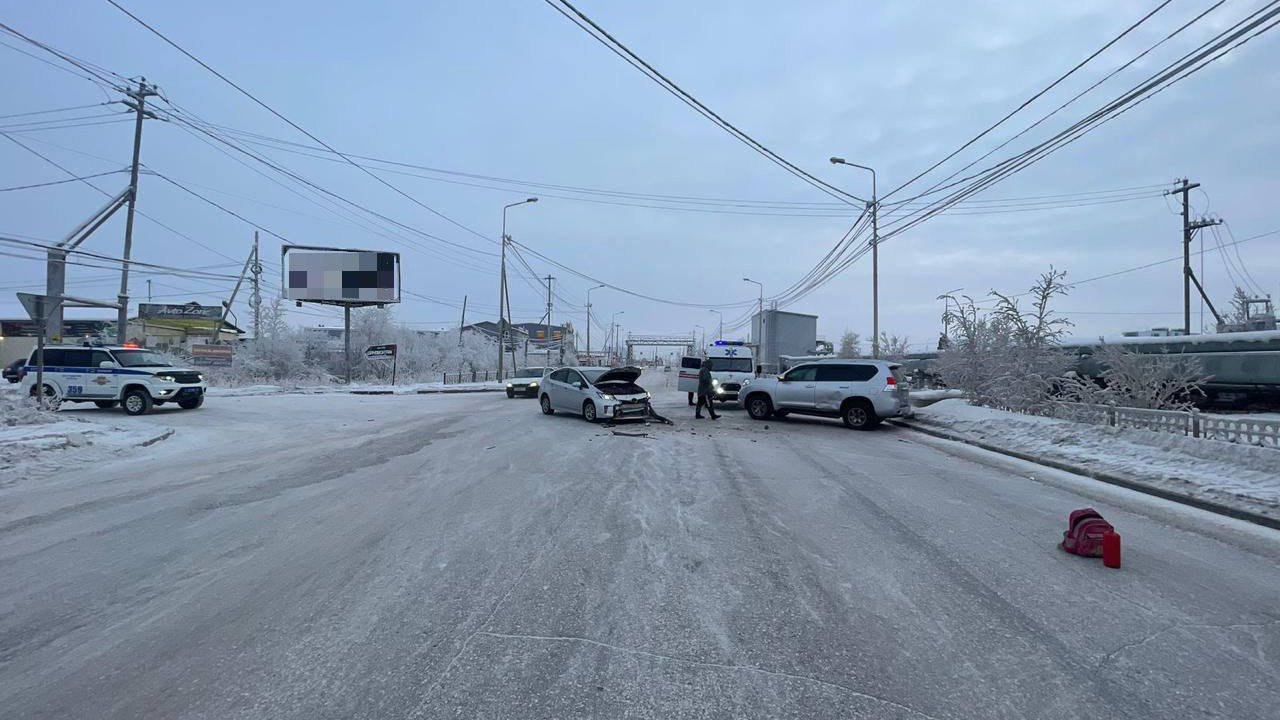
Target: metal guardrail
[(1193, 423), (473, 376)]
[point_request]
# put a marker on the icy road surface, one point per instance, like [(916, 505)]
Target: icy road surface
[(463, 556)]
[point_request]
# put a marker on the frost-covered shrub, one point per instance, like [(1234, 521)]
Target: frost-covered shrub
[(1006, 357)]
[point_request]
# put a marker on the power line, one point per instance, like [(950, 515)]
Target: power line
[(298, 178), (47, 128), (291, 123), (102, 87), (61, 182), (602, 36), (1180, 69), (940, 186), (982, 207), (104, 192), (82, 65), (1235, 246), (54, 110), (1031, 99), (261, 140), (108, 258)]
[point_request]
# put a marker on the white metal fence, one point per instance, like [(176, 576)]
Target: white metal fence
[(1225, 428)]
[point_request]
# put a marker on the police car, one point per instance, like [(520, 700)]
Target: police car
[(110, 375)]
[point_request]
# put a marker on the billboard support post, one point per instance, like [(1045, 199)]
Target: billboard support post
[(346, 327)]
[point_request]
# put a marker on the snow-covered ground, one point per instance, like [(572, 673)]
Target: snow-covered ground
[(29, 436), (1238, 475), (332, 555)]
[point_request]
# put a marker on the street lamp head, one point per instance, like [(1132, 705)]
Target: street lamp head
[(532, 200), (837, 161)]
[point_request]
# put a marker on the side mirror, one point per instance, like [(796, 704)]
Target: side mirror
[(582, 386), (782, 378), (106, 364)]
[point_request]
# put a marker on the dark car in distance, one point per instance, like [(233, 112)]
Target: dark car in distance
[(13, 371)]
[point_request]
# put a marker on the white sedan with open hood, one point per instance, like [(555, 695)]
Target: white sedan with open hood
[(596, 393)]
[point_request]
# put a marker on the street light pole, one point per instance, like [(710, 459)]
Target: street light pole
[(874, 207), (589, 318), (760, 314), (502, 284), (613, 330), (704, 336), (720, 333)]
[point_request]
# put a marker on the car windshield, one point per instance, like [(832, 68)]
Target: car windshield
[(593, 373), (140, 358), (728, 364), (529, 373)]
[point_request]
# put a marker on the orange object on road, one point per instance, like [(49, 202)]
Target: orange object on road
[(1111, 549)]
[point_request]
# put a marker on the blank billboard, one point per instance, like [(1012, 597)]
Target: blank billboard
[(341, 276)]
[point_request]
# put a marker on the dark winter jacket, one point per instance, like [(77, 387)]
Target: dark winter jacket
[(704, 378)]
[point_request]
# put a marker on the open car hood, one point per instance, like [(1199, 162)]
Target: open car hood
[(619, 375)]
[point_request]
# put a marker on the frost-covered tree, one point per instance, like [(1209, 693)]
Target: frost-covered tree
[(850, 345), (893, 347), (1239, 313), (1007, 357), (1125, 378)]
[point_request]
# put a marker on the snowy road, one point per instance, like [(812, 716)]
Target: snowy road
[(463, 556)]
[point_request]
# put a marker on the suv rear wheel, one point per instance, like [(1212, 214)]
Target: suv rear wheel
[(193, 403), (759, 407), (136, 401), (859, 415)]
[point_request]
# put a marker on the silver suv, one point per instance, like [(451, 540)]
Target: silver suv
[(859, 392)]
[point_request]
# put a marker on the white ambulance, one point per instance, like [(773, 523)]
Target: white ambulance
[(732, 363)]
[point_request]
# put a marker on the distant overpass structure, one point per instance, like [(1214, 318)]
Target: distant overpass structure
[(688, 342)]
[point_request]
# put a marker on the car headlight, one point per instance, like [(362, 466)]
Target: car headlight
[(199, 377), (165, 378), (508, 384), (604, 396), (533, 384)]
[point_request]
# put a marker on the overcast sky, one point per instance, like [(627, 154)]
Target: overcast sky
[(513, 90)]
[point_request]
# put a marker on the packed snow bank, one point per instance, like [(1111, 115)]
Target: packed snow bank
[(1238, 475), (29, 435), (18, 411), (411, 389), (924, 398)]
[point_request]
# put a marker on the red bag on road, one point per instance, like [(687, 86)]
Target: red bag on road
[(1085, 529)]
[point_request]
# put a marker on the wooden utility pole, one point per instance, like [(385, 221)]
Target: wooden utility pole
[(1189, 228), (463, 322), (256, 297), (138, 105), (548, 338)]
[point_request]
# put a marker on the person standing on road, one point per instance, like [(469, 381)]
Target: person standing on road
[(705, 396)]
